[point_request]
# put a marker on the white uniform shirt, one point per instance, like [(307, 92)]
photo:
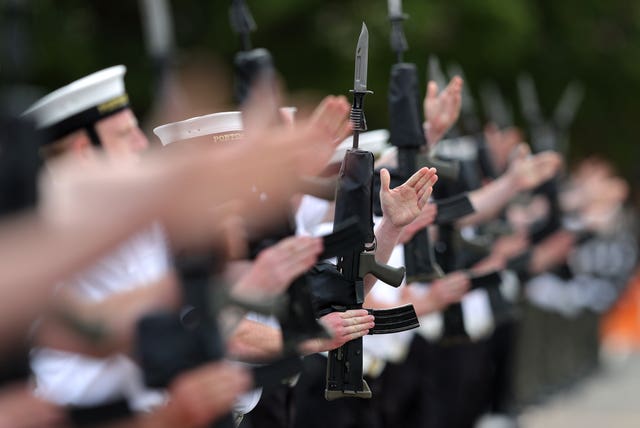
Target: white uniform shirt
[(72, 379)]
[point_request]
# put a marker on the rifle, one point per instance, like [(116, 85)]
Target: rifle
[(250, 64), (343, 288), (548, 134), (475, 165), (407, 134), (170, 343), (159, 39)]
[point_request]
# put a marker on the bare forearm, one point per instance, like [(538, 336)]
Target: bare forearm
[(254, 342), (386, 238), (551, 252), (58, 251), (108, 326), (489, 200)]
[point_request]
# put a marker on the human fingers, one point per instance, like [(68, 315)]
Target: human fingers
[(455, 294), (331, 116), (455, 84), (432, 90), (427, 182), (454, 277), (548, 163), (521, 151), (341, 323), (319, 110), (426, 216), (302, 256), (356, 335), (385, 180), (425, 193), (300, 248), (420, 177), (354, 313), (358, 320)]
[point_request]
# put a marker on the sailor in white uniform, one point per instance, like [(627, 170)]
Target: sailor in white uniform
[(95, 111)]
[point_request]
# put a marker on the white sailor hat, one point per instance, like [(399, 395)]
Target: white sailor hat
[(81, 103), (375, 142), (216, 127), (228, 126)]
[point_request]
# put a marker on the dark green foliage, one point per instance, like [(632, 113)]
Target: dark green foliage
[(312, 43)]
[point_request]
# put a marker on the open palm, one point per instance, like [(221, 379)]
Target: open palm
[(403, 204)]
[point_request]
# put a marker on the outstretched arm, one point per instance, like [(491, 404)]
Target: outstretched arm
[(253, 341), (425, 300), (277, 266), (525, 173), (107, 326), (400, 206)]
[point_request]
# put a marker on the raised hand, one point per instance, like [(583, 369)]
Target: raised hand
[(403, 204), (441, 110), (344, 326), (331, 116), (529, 171), (449, 289), (276, 266), (503, 249), (442, 292)]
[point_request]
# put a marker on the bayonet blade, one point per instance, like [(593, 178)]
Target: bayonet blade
[(158, 26), (242, 21), (362, 59), (398, 40), (529, 99), (395, 8)]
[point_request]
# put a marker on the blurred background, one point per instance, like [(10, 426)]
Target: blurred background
[(592, 42), (596, 43)]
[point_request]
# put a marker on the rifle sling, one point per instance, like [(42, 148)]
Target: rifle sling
[(453, 208), (520, 263), (491, 279), (272, 375), (342, 240)]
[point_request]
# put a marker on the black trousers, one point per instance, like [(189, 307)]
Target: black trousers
[(313, 411), (274, 410)]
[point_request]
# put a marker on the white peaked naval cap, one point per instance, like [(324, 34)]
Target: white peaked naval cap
[(371, 141), (201, 126), (81, 103), (228, 123)]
